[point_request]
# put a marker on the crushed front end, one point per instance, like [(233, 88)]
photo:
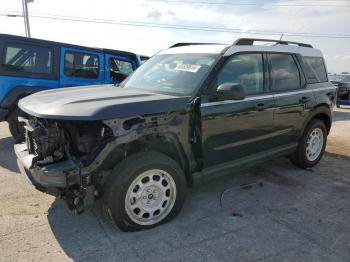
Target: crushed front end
[(55, 152), (73, 159)]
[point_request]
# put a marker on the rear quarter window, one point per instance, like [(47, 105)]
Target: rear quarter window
[(315, 70), (27, 59)]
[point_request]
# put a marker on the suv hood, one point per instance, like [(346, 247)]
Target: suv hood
[(98, 103)]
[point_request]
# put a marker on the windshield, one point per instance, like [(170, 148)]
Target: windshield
[(172, 73)]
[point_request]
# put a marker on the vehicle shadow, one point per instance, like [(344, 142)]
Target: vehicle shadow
[(341, 115), (8, 158), (208, 213), (92, 237), (245, 212), (338, 156)]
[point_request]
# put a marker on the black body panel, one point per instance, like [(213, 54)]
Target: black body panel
[(99, 103)]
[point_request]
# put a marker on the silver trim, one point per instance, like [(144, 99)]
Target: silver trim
[(236, 101), (253, 98), (304, 51)]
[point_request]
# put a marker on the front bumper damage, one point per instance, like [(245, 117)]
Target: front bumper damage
[(51, 178)]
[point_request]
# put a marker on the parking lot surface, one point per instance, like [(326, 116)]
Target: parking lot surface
[(287, 214)]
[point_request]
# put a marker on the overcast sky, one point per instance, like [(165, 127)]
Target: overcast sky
[(321, 17)]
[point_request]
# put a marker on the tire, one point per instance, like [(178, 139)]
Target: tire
[(144, 183), (307, 155), (16, 128)]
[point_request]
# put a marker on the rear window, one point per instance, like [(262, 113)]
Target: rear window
[(78, 64), (27, 59), (315, 70), (284, 72)]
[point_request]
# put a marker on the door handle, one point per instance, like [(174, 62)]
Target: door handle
[(260, 107), (304, 100)]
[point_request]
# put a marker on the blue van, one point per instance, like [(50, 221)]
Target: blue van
[(30, 65)]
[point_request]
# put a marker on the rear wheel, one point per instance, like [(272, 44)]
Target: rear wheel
[(312, 145), (145, 190), (16, 128)]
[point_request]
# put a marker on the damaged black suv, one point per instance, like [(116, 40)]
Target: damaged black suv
[(191, 108)]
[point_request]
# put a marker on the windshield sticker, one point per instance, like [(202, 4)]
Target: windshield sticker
[(187, 68)]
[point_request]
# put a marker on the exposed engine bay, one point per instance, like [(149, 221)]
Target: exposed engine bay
[(53, 141), (81, 154)]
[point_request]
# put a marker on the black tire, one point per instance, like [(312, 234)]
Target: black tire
[(299, 158), (128, 171), (16, 128)]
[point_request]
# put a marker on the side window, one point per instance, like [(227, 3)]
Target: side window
[(284, 74), (315, 70), (78, 64), (23, 58), (245, 69), (120, 66)]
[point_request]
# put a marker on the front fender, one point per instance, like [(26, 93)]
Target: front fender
[(18, 92)]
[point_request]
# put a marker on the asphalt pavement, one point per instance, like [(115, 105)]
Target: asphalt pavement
[(287, 214)]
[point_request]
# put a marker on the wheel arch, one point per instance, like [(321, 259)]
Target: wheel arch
[(323, 113), (170, 146), (17, 93), (166, 144)]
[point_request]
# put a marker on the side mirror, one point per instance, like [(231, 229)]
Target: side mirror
[(230, 91)]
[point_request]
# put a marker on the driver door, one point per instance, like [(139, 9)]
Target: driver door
[(232, 129)]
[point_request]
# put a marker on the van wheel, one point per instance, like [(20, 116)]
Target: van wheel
[(144, 191), (16, 128), (311, 146)]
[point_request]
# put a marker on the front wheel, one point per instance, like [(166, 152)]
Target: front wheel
[(145, 190), (16, 128), (311, 145)]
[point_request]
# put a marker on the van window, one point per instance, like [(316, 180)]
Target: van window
[(315, 70), (27, 59), (284, 74), (78, 64), (245, 69), (120, 66)]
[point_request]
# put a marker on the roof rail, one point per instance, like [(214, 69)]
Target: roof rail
[(185, 44), (250, 41)]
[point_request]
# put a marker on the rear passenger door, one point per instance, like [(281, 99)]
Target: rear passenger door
[(292, 99), (80, 67), (26, 67)]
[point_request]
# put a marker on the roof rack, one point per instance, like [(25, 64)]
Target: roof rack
[(250, 41), (186, 44)]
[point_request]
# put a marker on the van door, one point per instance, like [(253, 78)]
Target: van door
[(118, 68), (80, 67)]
